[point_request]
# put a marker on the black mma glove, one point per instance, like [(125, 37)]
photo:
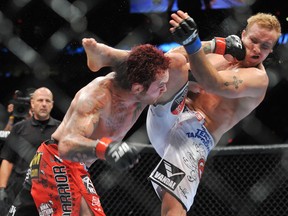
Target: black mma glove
[(230, 45), (3, 195), (117, 154), (187, 35)]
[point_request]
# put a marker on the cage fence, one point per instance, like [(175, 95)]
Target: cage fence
[(237, 181)]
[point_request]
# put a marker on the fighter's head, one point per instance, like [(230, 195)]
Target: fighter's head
[(260, 36), (142, 66)]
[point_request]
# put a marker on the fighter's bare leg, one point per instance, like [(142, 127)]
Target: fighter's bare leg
[(100, 55), (171, 206), (85, 210)]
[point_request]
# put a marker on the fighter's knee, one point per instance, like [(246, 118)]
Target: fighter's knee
[(174, 212), (171, 206)]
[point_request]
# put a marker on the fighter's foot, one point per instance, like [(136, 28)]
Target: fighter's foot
[(95, 54)]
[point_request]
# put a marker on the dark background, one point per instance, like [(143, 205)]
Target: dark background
[(40, 45)]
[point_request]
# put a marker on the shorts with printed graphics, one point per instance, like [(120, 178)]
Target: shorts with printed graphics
[(58, 185), (180, 170)]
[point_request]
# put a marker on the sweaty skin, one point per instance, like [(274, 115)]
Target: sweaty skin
[(232, 89), (226, 90), (100, 55), (103, 109), (98, 110)]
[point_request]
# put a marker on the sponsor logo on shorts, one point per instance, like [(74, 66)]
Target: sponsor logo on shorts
[(179, 102), (195, 165), (203, 135), (190, 162), (96, 201), (199, 116), (168, 175), (201, 165), (184, 192), (88, 184), (91, 190), (63, 188), (35, 165), (45, 209)]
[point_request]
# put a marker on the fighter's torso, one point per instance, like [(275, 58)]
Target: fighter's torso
[(103, 113), (117, 120), (221, 114)]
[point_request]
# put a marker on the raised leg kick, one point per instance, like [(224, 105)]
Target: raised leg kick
[(100, 55)]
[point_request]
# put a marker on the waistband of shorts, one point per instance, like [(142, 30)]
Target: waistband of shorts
[(51, 141)]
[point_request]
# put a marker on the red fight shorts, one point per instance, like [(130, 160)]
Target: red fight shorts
[(58, 185)]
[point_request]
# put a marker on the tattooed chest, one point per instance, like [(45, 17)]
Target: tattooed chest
[(117, 122), (122, 118)]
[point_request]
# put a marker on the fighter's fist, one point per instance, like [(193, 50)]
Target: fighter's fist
[(121, 155), (186, 33), (117, 154), (230, 45)]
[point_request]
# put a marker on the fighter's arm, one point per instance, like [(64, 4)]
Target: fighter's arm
[(230, 47), (242, 82), (232, 83), (206, 45), (75, 143), (245, 82)]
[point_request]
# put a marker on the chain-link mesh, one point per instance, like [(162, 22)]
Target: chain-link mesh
[(242, 183)]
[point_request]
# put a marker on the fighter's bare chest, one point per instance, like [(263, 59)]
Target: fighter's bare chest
[(121, 118)]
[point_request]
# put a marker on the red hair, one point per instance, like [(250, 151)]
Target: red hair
[(142, 65)]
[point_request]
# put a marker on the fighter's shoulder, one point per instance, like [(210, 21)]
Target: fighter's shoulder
[(101, 82), (258, 71), (103, 79), (262, 75), (96, 92), (176, 59), (256, 79)]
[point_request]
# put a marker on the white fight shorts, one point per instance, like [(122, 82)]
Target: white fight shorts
[(161, 118), (183, 143)]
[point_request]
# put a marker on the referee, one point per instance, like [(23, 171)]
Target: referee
[(22, 143)]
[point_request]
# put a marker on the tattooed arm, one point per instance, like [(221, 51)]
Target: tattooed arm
[(227, 81), (81, 123), (232, 80)]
